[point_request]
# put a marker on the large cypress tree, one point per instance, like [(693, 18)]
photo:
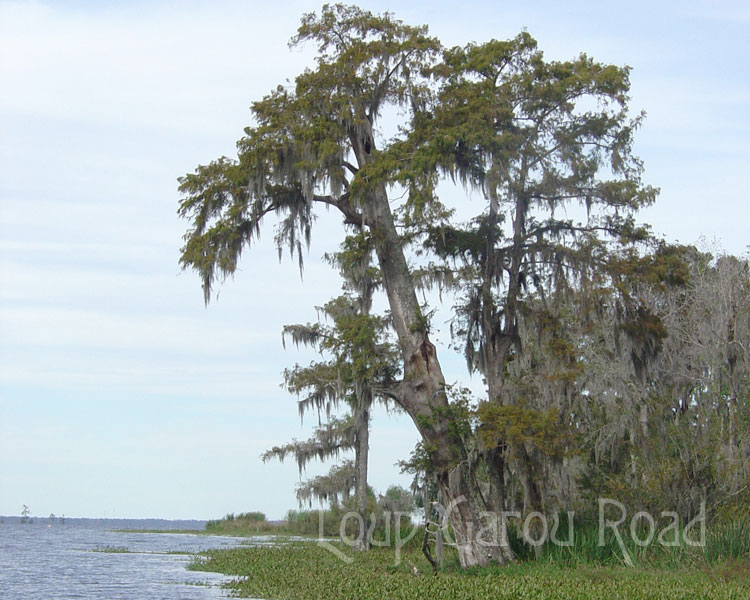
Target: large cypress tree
[(499, 117)]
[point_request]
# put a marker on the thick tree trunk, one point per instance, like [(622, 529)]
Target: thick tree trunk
[(495, 463), (480, 534)]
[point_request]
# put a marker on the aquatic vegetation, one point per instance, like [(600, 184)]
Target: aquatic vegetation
[(113, 550), (307, 571)]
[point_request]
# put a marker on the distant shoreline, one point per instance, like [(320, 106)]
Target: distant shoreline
[(153, 524)]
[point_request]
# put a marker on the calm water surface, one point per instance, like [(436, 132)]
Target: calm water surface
[(40, 561)]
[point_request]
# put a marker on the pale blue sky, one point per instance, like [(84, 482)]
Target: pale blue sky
[(120, 394)]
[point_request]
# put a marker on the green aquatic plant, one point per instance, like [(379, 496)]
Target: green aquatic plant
[(309, 572)]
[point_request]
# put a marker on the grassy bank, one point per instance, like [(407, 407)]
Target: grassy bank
[(669, 568), (310, 572)]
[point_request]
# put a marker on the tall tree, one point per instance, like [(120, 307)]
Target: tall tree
[(533, 138), (318, 144), (298, 155)]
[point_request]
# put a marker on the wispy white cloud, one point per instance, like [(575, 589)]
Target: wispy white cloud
[(97, 330), (149, 65)]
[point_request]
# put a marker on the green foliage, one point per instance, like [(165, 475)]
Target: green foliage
[(667, 267), (397, 499), (729, 540), (306, 571), (298, 152), (331, 487), (419, 466), (328, 521), (308, 522), (519, 425), (249, 521), (357, 346)]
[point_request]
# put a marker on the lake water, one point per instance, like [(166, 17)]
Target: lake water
[(54, 561)]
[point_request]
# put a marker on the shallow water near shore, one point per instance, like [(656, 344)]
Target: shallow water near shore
[(87, 559)]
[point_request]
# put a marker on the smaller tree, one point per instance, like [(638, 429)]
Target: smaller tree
[(361, 368)]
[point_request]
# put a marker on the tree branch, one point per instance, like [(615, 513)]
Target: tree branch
[(351, 216)]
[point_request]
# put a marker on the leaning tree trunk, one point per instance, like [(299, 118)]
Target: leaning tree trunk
[(422, 394)]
